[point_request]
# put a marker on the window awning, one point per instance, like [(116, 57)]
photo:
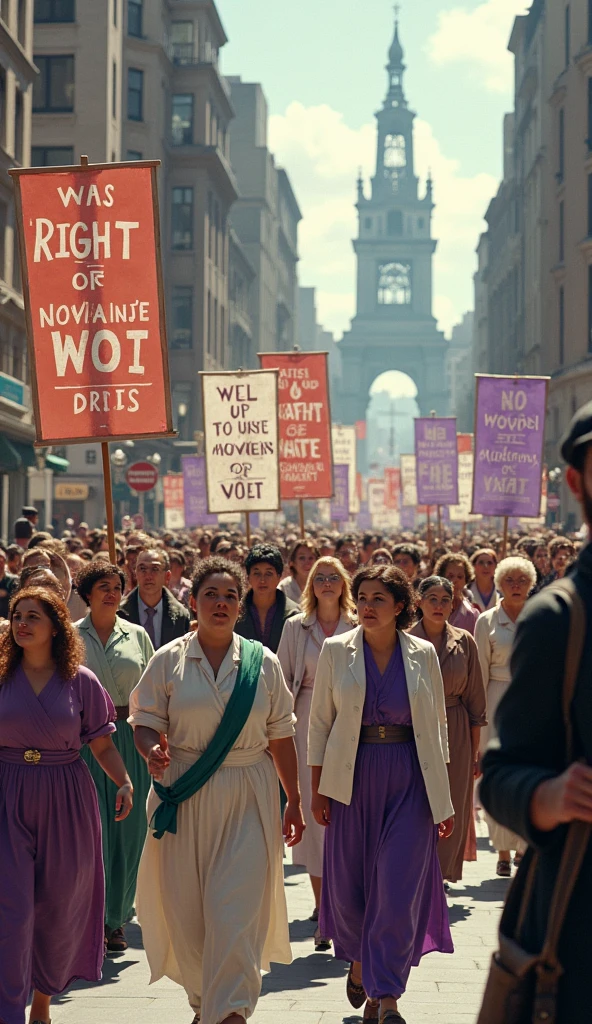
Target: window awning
[(56, 463), (10, 459), (26, 452)]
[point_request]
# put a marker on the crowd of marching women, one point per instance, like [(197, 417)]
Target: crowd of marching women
[(148, 708)]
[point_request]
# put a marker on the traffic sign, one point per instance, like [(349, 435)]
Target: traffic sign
[(141, 476)]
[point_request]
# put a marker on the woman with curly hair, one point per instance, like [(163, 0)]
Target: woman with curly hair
[(117, 651), (378, 748), (211, 899), (327, 610), (457, 568), (51, 882)]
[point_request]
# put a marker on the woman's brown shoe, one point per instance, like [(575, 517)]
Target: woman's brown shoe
[(355, 993), (504, 869), (116, 941), (371, 1012), (391, 1017)]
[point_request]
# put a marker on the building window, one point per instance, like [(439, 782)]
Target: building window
[(134, 18), (567, 35), (114, 91), (182, 49), (590, 308), (182, 318), (561, 231), (561, 168), (182, 218), (589, 139), (90, 457), (135, 94), (394, 223), (51, 156), (394, 284), (182, 120), (368, 223), (134, 154), (115, 2), (53, 90), (3, 219), (561, 325), (54, 10), (19, 125)]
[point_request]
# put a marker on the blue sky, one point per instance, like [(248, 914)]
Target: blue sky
[(321, 64)]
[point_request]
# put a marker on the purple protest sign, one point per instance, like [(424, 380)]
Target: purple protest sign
[(364, 518), (407, 517), (340, 502), (195, 494), (509, 439), (436, 461)]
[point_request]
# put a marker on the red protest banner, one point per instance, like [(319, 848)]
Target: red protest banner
[(94, 302), (392, 488), (306, 460)]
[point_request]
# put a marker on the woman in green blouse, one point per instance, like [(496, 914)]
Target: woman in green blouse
[(117, 652)]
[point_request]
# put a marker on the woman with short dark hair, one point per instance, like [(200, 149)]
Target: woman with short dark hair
[(117, 651), (51, 874), (378, 748), (211, 899), (456, 568)]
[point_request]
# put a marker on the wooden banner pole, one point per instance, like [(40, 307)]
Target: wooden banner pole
[(429, 532), (505, 540), (248, 519), (301, 512), (109, 501), (439, 508)]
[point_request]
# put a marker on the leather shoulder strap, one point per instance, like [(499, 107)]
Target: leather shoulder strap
[(573, 655)]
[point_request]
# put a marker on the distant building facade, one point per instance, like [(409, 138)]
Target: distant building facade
[(17, 78), (459, 373), (535, 262), (394, 326)]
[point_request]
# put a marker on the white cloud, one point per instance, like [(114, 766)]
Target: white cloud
[(322, 155), (479, 38)]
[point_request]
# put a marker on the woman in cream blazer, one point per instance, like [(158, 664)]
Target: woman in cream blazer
[(328, 610), (378, 750)]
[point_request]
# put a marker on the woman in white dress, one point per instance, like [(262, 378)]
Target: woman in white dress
[(494, 636), (210, 895), (328, 609)]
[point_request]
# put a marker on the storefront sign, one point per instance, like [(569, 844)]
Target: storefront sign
[(344, 453), (305, 423), (242, 440), (174, 507), (195, 497), (90, 252), (12, 390), (340, 503), (509, 439), (71, 492), (436, 456)]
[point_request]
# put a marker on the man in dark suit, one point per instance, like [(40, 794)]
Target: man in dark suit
[(151, 604), (525, 784), (266, 607)]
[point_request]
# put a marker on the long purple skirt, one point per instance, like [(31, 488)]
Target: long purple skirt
[(383, 899)]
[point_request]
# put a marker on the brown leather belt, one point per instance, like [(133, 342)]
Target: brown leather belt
[(451, 702), (386, 734), (122, 712)]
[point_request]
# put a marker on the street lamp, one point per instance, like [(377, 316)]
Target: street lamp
[(119, 458)]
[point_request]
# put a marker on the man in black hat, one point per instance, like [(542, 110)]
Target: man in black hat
[(30, 512), (525, 784), (23, 531)]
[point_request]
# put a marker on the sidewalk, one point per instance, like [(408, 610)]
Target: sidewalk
[(444, 989)]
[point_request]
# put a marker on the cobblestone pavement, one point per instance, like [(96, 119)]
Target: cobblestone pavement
[(444, 989)]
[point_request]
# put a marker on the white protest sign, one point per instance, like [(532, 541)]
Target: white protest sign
[(344, 453), (241, 441), (408, 481)]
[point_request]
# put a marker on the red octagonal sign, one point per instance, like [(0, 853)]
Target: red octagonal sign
[(141, 476)]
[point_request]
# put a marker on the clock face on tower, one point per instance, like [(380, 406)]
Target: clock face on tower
[(394, 152)]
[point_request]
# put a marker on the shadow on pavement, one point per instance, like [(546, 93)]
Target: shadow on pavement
[(112, 971), (457, 913), (305, 972), (492, 890)]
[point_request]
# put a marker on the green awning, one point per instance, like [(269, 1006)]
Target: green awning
[(56, 463), (10, 459), (26, 452)]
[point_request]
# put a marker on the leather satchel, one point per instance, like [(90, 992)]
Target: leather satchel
[(522, 987)]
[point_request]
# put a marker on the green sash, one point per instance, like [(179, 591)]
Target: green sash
[(233, 721)]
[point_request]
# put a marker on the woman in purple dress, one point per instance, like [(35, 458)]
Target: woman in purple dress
[(51, 877), (378, 749)]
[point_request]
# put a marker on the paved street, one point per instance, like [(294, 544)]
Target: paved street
[(444, 989)]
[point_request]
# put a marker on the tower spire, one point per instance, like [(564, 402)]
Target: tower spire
[(396, 68)]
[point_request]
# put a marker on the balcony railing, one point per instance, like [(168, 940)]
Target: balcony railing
[(182, 54)]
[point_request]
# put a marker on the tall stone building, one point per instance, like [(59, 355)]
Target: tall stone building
[(394, 327), (536, 259), (17, 75), (141, 80), (265, 217)]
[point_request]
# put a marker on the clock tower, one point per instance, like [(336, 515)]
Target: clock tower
[(394, 328)]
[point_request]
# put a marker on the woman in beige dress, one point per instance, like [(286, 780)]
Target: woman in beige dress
[(327, 610), (494, 636), (210, 897), (302, 557), (465, 711)]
